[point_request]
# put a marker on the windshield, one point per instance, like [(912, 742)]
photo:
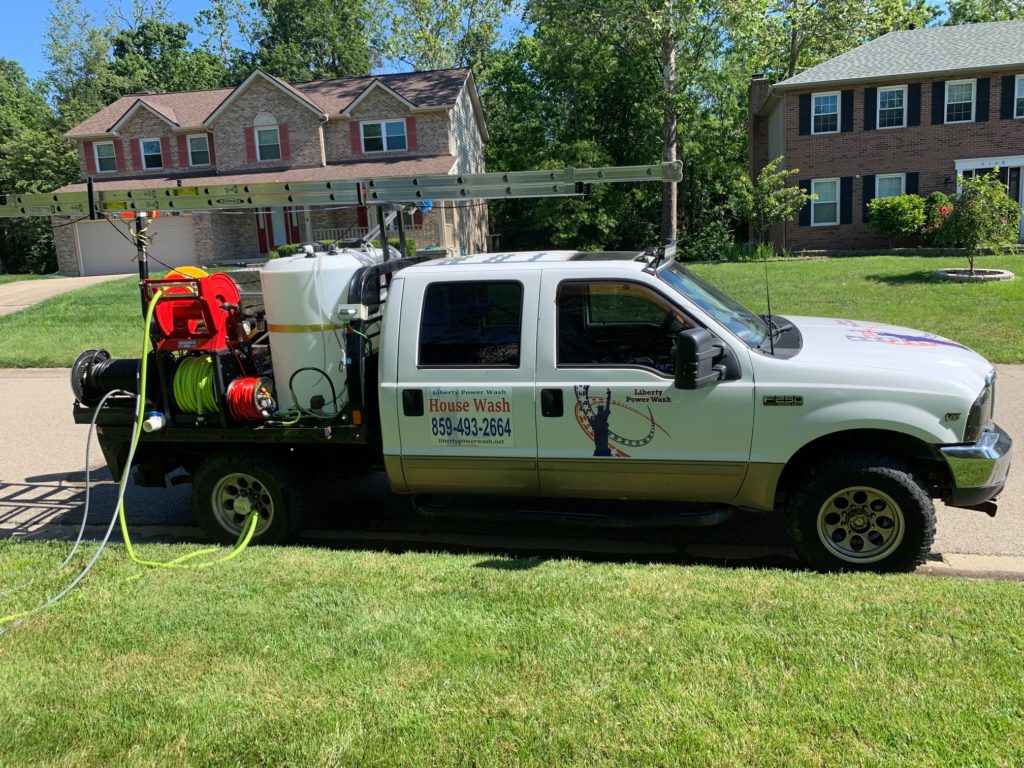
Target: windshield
[(751, 328)]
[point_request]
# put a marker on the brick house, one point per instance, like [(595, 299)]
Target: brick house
[(267, 130), (911, 111)]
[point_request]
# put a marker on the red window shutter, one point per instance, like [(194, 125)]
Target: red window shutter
[(184, 161), (261, 231), (250, 144), (165, 151), (90, 158), (356, 136), (213, 152), (417, 218), (136, 155), (286, 149), (119, 156), (294, 236), (363, 217), (410, 133)]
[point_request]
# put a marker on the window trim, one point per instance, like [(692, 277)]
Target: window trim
[(96, 156), (470, 367), (974, 101), (383, 135), (878, 107), (142, 155), (188, 144), (839, 112), (903, 183), (1018, 99), (837, 202), (687, 316), (259, 147)]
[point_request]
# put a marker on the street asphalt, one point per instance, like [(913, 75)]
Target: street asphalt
[(42, 491), (24, 293)]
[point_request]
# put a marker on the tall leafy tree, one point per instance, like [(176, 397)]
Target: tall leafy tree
[(972, 11), (156, 55), (435, 34), (79, 79)]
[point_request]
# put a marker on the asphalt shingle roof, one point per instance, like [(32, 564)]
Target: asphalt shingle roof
[(963, 48)]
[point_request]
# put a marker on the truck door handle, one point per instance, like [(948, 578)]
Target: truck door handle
[(551, 402), (412, 402)]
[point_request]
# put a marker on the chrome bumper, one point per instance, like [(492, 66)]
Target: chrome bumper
[(979, 469)]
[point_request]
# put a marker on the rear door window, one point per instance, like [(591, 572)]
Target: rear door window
[(471, 325)]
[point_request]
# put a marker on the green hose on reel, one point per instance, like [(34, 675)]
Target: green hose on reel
[(193, 385)]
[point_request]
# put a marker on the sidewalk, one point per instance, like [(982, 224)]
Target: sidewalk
[(24, 293)]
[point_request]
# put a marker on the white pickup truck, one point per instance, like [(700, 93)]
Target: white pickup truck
[(605, 376)]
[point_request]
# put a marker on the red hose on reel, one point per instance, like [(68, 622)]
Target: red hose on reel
[(251, 399)]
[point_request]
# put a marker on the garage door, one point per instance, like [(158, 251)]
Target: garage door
[(103, 250)]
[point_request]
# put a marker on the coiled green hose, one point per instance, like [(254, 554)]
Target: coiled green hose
[(193, 385)]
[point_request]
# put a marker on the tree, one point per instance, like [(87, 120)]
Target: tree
[(769, 201), (79, 77), (973, 11), (984, 217), (436, 34), (156, 54), (898, 216)]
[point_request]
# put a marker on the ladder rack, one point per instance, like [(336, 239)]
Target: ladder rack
[(183, 196)]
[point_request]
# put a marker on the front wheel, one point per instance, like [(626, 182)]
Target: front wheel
[(227, 488), (862, 512)]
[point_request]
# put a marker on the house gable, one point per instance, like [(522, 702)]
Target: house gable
[(370, 91), (256, 77), (137, 107)]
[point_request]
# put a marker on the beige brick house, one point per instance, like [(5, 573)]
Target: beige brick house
[(267, 130), (912, 111)]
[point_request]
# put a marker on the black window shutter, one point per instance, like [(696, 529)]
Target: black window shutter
[(869, 194), (870, 103), (847, 110), (1006, 94), (1004, 176), (846, 200), (805, 114), (914, 104), (911, 185), (805, 212), (939, 102), (981, 99)]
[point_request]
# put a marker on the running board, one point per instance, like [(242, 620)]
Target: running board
[(646, 520)]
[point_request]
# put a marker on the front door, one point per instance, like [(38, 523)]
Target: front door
[(276, 227), (611, 423), (465, 384)]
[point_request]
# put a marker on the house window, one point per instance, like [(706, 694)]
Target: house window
[(105, 159), (198, 150), (825, 210), (1019, 103), (471, 325), (384, 136), (268, 137), (152, 157), (890, 185), (826, 113), (892, 107), (960, 101)]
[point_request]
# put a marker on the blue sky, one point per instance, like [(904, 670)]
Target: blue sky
[(25, 22)]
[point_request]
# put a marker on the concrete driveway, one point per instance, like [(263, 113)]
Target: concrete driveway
[(24, 293), (42, 494)]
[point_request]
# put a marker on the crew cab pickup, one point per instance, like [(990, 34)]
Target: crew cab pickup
[(626, 376)]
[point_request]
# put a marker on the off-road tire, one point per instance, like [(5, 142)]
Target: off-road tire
[(258, 482), (870, 497)]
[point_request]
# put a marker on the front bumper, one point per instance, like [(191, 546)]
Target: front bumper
[(979, 469)]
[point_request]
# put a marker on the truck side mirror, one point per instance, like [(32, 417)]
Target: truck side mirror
[(696, 352)]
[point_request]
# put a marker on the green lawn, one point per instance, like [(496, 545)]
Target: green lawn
[(315, 657), (988, 317), (16, 278), (890, 289)]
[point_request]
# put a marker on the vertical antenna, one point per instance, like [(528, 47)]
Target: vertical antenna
[(768, 297)]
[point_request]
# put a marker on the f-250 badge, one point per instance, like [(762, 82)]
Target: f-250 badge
[(783, 400)]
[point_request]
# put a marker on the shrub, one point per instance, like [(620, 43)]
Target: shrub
[(287, 250), (712, 242), (768, 201), (983, 216), (896, 217), (937, 208), (272, 254), (410, 244)]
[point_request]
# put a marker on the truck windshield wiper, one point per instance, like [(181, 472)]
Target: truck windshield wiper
[(777, 328)]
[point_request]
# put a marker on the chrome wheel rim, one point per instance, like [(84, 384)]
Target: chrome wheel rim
[(238, 495), (860, 524)]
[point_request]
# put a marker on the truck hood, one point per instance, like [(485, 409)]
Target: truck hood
[(860, 343)]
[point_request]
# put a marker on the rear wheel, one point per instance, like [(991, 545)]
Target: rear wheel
[(862, 512), (227, 488)]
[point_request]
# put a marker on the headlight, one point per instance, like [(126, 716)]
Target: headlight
[(981, 412)]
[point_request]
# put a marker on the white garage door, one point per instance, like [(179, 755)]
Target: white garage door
[(103, 250)]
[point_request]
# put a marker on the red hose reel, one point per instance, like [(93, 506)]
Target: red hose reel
[(196, 313)]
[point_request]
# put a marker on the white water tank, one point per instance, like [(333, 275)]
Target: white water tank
[(300, 294)]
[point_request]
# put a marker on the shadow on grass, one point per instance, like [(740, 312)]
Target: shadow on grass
[(512, 564), (921, 277)]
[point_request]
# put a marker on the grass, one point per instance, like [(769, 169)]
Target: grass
[(311, 657), (888, 289), (17, 278), (891, 289)]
